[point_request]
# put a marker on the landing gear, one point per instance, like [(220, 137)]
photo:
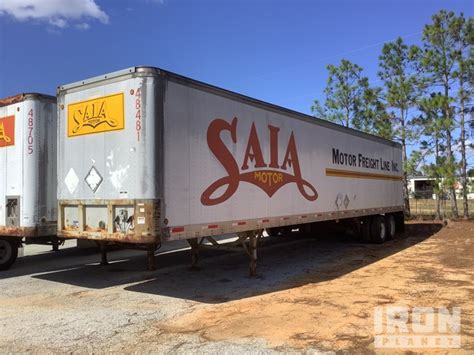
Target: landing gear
[(251, 248), (103, 254), (151, 258), (194, 244), (150, 250), (8, 252), (55, 244), (246, 240)]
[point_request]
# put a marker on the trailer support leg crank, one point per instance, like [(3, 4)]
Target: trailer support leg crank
[(249, 246), (151, 257), (194, 244), (103, 253), (251, 249), (253, 255), (55, 244)]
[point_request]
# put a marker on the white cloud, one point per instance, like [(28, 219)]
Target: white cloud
[(83, 26), (57, 13), (58, 22)]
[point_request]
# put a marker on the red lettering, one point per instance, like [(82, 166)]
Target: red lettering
[(273, 147), (269, 181), (253, 151)]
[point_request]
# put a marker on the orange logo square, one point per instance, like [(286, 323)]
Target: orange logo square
[(7, 131)]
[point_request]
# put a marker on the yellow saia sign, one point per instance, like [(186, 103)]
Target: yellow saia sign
[(97, 115)]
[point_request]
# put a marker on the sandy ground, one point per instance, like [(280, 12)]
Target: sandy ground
[(314, 294)]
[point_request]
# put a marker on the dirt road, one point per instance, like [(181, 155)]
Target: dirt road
[(314, 294)]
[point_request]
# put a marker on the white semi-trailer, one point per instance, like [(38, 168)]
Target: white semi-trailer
[(28, 205), (147, 156)]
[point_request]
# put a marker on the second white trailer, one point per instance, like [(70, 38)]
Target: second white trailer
[(28, 205), (147, 156)]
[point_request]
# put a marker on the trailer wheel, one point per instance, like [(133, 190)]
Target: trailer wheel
[(8, 253), (400, 222), (275, 232), (378, 229), (391, 226)]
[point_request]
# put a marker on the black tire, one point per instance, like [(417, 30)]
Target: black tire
[(8, 252), (365, 230), (391, 226), (400, 221), (378, 230), (275, 232)]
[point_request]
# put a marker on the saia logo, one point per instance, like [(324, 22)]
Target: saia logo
[(269, 177), (7, 131), (94, 116)]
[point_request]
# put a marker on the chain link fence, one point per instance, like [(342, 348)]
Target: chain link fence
[(427, 207)]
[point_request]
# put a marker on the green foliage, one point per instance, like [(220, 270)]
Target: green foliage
[(426, 99), (399, 70), (344, 93), (351, 102), (412, 164), (442, 41), (372, 116)]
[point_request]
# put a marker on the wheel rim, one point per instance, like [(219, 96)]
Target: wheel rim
[(5, 251)]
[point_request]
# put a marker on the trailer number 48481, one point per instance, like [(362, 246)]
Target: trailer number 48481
[(138, 113)]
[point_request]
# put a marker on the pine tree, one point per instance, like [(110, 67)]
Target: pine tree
[(463, 33), (431, 123), (440, 59), (399, 71), (344, 93)]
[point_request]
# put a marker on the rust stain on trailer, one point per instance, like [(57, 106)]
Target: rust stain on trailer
[(12, 100), (144, 225), (49, 229)]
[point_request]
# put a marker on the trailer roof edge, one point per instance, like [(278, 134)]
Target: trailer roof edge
[(10, 100), (150, 70)]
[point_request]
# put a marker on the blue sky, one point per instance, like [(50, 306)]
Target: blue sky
[(272, 50)]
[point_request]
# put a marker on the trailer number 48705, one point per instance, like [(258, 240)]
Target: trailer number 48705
[(30, 138)]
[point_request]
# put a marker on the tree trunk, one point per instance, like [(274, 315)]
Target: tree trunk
[(452, 187), (406, 194), (438, 192), (463, 152), (448, 127)]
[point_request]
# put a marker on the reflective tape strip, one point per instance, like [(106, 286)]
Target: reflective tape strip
[(242, 223)]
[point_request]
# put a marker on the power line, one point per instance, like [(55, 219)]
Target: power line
[(281, 70)]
